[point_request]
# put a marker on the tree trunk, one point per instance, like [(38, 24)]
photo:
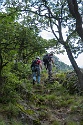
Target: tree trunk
[(75, 66), (73, 8), (1, 61), (1, 67)]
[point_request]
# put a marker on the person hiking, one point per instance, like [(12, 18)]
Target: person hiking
[(48, 61), (36, 67)]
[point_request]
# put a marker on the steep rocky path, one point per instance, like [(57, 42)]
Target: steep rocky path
[(50, 104)]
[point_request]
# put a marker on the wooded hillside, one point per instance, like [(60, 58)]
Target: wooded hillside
[(55, 101)]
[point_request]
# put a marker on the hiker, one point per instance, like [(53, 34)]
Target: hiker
[(48, 61), (36, 67)]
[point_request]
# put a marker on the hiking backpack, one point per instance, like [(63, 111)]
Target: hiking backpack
[(46, 59), (34, 63)]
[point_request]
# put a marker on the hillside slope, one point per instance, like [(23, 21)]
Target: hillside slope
[(45, 104)]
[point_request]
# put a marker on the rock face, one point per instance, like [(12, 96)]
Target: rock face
[(71, 82)]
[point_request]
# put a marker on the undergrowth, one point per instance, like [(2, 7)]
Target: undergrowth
[(49, 104)]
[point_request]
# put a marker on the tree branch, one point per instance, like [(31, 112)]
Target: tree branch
[(73, 8)]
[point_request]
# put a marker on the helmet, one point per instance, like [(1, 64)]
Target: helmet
[(37, 57)]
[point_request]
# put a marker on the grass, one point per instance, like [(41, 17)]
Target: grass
[(47, 103)]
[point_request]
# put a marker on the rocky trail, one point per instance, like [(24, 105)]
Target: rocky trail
[(50, 104)]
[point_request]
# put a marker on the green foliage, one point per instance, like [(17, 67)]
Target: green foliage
[(72, 123), (44, 115), (56, 123), (19, 44), (28, 111), (2, 122), (21, 70), (61, 77), (71, 83), (58, 101), (8, 91), (9, 85), (13, 122), (45, 104), (10, 110), (77, 106), (61, 66)]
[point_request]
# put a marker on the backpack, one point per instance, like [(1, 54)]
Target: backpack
[(46, 59), (34, 64)]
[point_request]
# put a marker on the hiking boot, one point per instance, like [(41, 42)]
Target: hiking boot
[(33, 82), (50, 77)]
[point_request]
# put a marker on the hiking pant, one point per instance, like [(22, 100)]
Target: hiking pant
[(49, 70), (36, 74)]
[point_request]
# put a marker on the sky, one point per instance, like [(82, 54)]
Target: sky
[(63, 57)]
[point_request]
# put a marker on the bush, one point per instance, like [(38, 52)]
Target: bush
[(8, 90), (71, 83)]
